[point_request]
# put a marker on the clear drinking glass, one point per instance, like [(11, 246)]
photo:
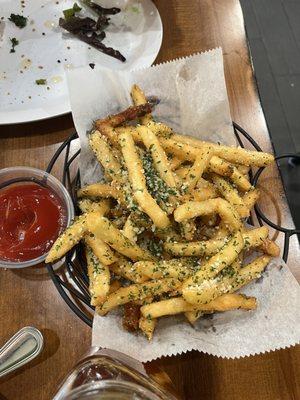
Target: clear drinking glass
[(110, 375)]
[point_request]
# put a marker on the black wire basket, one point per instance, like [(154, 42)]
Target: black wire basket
[(71, 280)]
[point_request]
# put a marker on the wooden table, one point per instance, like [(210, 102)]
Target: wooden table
[(28, 297)]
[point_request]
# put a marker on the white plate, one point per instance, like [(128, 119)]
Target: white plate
[(46, 52)]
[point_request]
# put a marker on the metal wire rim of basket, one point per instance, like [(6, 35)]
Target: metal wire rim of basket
[(74, 290)]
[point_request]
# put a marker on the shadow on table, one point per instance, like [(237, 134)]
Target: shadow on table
[(191, 371), (48, 128), (36, 273)]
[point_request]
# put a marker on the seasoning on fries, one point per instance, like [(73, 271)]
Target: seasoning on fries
[(164, 234)]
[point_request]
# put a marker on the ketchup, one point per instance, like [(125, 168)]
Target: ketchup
[(31, 219)]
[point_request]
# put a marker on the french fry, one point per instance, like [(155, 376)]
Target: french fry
[(236, 155), (68, 239), (158, 155), (233, 280), (87, 205), (126, 269), (101, 227), (175, 163), (220, 206), (223, 283), (101, 250), (138, 98), (252, 238), (179, 149), (178, 305), (138, 182), (222, 167), (174, 268), (244, 169), (199, 248), (250, 272), (101, 190), (195, 172), (270, 247), (188, 229), (193, 316), (250, 198), (105, 156), (231, 195), (226, 256), (99, 277), (130, 230), (138, 292), (147, 326)]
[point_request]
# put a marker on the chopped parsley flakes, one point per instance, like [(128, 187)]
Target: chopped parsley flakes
[(156, 186), (70, 12), (41, 81), (14, 43), (18, 20)]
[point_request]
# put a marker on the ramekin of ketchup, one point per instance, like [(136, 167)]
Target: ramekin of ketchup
[(34, 209)]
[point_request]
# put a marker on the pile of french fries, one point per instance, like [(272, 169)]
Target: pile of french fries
[(165, 233)]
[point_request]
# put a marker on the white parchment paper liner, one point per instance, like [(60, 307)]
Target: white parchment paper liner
[(193, 100)]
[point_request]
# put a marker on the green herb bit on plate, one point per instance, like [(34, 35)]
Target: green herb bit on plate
[(41, 81), (14, 43), (19, 20), (70, 12)]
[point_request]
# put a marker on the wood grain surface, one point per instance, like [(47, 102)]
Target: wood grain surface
[(28, 297)]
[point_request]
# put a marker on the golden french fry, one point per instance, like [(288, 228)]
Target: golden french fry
[(244, 169), (188, 229), (130, 230), (179, 149), (175, 163), (270, 247), (101, 227), (158, 155), (252, 238), (126, 269), (101, 250), (101, 190), (222, 167), (138, 182), (250, 272), (105, 156), (199, 248), (250, 198), (138, 98), (220, 206), (195, 172), (174, 268), (68, 239), (99, 277), (178, 305), (138, 292), (236, 155), (147, 326), (193, 316), (231, 195), (226, 256), (230, 280), (87, 205)]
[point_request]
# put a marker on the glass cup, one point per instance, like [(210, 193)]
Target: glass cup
[(110, 375)]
